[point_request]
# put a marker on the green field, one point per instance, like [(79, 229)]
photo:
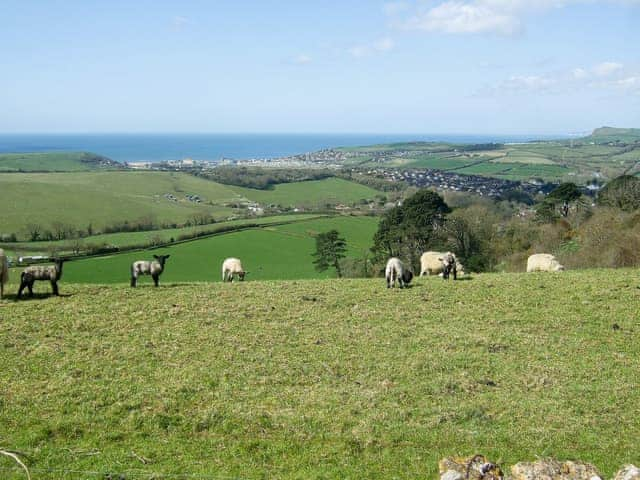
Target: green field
[(54, 162), (310, 193), (516, 171), (104, 198), (273, 252), (607, 153), (125, 239), (320, 379)]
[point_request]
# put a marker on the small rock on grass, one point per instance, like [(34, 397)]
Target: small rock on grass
[(554, 470), (472, 468), (628, 472)]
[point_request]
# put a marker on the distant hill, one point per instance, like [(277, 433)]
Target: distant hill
[(56, 162), (611, 134)]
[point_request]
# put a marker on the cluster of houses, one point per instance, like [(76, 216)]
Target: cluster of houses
[(444, 180)]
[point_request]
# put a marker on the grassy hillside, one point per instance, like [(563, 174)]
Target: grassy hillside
[(272, 252), (577, 160), (55, 162), (321, 379), (103, 198), (310, 193), (611, 134)]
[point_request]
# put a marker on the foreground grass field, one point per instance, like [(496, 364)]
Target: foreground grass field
[(269, 253), (321, 379)]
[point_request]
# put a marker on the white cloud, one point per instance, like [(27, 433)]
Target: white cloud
[(504, 17), (469, 17), (606, 69), (604, 76), (382, 45), (531, 83)]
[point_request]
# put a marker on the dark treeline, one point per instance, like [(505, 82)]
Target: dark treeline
[(37, 232), (266, 178), (261, 178)]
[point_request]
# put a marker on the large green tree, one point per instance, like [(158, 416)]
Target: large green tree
[(330, 249), (622, 192), (558, 201), (411, 228)]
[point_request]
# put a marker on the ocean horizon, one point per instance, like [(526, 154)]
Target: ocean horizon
[(157, 147)]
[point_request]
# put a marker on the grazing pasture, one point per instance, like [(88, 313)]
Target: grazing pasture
[(268, 253), (320, 379), (55, 162), (309, 193), (104, 198), (125, 239)]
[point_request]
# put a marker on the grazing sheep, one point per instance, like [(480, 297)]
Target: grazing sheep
[(543, 262), (4, 272), (230, 268), (52, 273), (143, 267), (449, 266), (397, 271), (439, 263)]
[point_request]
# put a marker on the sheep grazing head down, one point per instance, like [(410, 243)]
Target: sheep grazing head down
[(448, 265)]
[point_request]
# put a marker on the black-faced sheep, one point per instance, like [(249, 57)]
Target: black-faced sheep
[(396, 270), (153, 268), (449, 266), (4, 271), (52, 273), (543, 262), (232, 267)]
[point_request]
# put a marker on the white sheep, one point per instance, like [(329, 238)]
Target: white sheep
[(396, 270), (153, 268), (4, 272), (232, 267), (52, 273), (543, 262), (439, 263)]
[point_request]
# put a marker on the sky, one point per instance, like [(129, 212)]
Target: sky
[(288, 66)]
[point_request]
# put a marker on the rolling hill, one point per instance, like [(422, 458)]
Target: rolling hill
[(56, 162), (105, 198)]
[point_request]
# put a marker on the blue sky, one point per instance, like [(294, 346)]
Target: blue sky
[(462, 66)]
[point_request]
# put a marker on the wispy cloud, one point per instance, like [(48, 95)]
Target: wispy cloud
[(381, 45), (606, 75), (606, 69), (503, 17)]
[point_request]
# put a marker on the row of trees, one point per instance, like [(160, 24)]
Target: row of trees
[(261, 178), (492, 235), (58, 230)]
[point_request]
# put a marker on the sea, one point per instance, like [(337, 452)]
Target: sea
[(215, 147)]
